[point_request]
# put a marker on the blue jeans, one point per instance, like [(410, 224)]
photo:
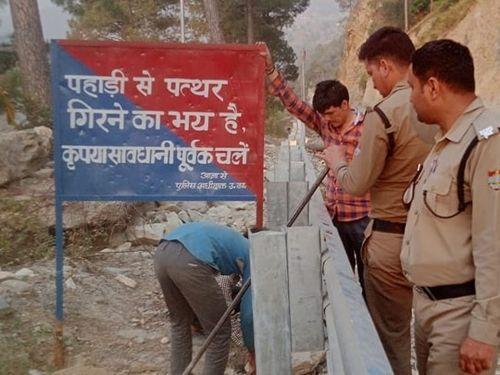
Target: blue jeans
[(352, 234)]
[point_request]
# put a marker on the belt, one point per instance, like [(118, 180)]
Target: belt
[(388, 226), (440, 292)]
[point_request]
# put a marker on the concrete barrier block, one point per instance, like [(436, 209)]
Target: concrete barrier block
[(276, 204), (297, 190), (271, 312), (305, 293), (297, 171)]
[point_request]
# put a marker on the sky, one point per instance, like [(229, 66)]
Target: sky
[(54, 21), (314, 26)]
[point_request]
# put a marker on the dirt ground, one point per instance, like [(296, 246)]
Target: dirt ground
[(107, 325)]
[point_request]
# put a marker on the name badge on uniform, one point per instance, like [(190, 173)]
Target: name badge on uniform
[(494, 179)]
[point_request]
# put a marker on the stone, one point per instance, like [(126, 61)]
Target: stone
[(4, 275), (136, 334), (200, 206), (70, 284), (195, 215), (222, 212), (164, 340), (124, 246), (115, 271), (173, 221), (17, 286), (146, 234), (24, 273), (184, 216), (5, 309), (304, 363), (44, 173), (117, 238), (35, 372), (83, 370), (23, 152), (126, 281), (238, 205)]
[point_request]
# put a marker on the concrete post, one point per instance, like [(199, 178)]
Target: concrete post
[(304, 281), (271, 313)]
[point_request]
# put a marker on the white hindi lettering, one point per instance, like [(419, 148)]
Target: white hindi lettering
[(199, 87), (94, 85), (198, 121), (110, 117), (232, 155), (144, 84), (189, 156), (143, 120), (166, 154), (231, 117), (81, 114)]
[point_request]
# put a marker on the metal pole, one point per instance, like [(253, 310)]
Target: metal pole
[(219, 324), (303, 83), (59, 257), (183, 40), (406, 14), (245, 286)]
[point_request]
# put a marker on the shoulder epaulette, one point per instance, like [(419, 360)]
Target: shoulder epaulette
[(484, 124)]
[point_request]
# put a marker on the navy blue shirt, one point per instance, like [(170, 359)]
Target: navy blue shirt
[(225, 250)]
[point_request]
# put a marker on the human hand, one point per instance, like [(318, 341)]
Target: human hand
[(267, 55), (475, 356), (333, 154)]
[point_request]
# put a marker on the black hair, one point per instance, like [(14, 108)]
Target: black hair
[(450, 62), (329, 93), (388, 42)]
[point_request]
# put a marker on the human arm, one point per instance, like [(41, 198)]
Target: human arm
[(279, 87), (358, 176), (479, 348)]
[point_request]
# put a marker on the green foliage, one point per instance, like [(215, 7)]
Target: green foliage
[(270, 17), (419, 6), (390, 13), (445, 15), (23, 237), (277, 119), (10, 94), (8, 60), (24, 345), (14, 100), (122, 19)]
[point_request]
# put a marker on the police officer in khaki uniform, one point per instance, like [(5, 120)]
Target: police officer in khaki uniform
[(451, 248), (389, 152)]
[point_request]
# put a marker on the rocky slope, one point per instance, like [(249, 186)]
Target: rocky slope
[(472, 22)]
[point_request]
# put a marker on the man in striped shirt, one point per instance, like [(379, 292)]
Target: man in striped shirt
[(336, 123)]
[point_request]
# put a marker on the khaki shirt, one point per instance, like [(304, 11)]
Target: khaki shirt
[(453, 251), (371, 169)]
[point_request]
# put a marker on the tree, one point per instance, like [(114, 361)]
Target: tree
[(32, 53), (212, 14), (269, 18), (123, 19)]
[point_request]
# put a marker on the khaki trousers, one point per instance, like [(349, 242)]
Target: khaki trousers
[(388, 296), (440, 328)]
